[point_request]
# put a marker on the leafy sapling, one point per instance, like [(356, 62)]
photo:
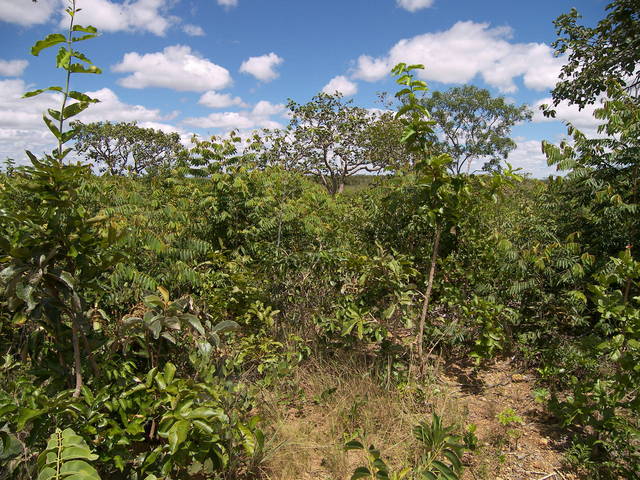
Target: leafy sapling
[(71, 61)]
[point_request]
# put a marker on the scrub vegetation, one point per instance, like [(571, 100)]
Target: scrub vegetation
[(253, 309)]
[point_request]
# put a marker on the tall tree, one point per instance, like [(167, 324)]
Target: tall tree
[(326, 137), (472, 125), (609, 51), (120, 148)]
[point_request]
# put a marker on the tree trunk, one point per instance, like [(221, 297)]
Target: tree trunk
[(427, 296), (76, 317), (75, 326)]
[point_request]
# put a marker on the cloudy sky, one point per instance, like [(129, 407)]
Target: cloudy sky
[(208, 66)]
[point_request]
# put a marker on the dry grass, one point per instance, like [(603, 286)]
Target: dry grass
[(308, 427), (309, 415)]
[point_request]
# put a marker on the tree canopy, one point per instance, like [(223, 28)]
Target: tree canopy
[(125, 148), (472, 125), (597, 55), (331, 139)]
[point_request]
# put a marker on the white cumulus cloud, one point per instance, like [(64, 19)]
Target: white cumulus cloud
[(467, 50), (193, 30), (139, 15), (213, 99), (258, 117), (262, 67), (228, 3), (112, 109), (341, 84), (107, 15), (27, 13), (583, 120), (176, 67), (265, 109), (414, 5), (12, 68)]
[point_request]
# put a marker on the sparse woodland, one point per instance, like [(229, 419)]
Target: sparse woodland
[(254, 309)]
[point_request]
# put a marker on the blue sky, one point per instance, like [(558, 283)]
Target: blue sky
[(208, 66)]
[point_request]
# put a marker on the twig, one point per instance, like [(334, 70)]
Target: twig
[(548, 476)]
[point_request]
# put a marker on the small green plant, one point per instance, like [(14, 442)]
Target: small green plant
[(441, 450), (541, 395), (165, 318), (470, 439), (376, 468), (509, 419), (67, 456), (65, 60)]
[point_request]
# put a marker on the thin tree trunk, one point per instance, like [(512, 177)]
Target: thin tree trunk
[(627, 289), (427, 297), (76, 355), (76, 316)]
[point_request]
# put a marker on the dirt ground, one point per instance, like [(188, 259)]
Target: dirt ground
[(310, 425), (533, 450)]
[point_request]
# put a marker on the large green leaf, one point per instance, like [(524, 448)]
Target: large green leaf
[(78, 470), (152, 301), (66, 457), (360, 472), (74, 109), (194, 322), (178, 434), (9, 447), (78, 68), (54, 129), (49, 41), (226, 326), (82, 97), (87, 29), (63, 57), (169, 372), (27, 414)]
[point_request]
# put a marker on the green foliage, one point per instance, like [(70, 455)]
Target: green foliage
[(440, 455), (596, 55), (473, 125), (493, 322), (508, 417), (602, 185), (376, 468), (208, 157), (150, 314), (71, 61), (66, 456), (166, 319), (328, 138), (604, 398), (441, 450), (50, 244), (121, 148)]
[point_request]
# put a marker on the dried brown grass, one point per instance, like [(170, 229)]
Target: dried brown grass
[(307, 429)]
